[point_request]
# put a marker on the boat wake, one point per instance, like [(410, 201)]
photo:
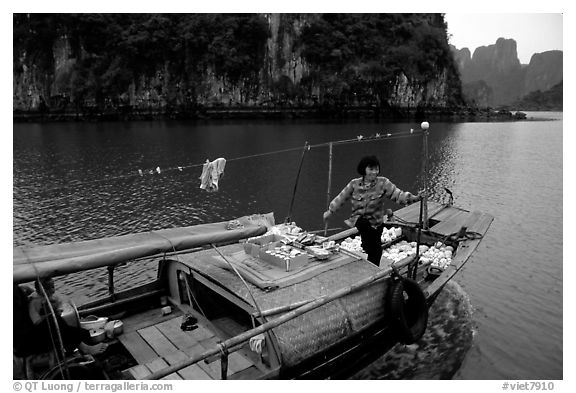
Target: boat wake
[(442, 349)]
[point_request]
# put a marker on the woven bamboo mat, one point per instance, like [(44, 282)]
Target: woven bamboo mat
[(265, 275)]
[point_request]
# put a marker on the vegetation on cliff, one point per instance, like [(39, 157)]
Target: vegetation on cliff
[(364, 53), (352, 58), (114, 50)]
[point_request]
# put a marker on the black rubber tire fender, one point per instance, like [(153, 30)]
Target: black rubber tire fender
[(407, 309)]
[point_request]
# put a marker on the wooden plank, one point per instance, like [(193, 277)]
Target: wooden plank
[(447, 213), (138, 348), (156, 364), (139, 371), (237, 362), (451, 225), (472, 219), (433, 209), (171, 329), (405, 213), (411, 213), (159, 343), (200, 333), (210, 342), (247, 374), (482, 224), (212, 369), (192, 372), (159, 364), (147, 318)]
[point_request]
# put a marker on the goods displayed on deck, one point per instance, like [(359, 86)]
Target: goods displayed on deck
[(391, 234), (439, 256), (398, 251), (288, 247), (353, 244)]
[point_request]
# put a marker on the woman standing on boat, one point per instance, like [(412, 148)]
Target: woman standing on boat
[(367, 195)]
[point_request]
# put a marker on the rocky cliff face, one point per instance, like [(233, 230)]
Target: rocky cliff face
[(283, 65), (498, 66), (504, 79), (408, 94), (544, 71)]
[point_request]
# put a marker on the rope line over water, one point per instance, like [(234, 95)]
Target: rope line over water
[(158, 170)]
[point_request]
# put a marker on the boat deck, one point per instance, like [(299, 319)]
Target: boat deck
[(448, 219), (156, 341)]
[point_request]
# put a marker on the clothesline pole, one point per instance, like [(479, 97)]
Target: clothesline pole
[(329, 184), (425, 125), (306, 147)]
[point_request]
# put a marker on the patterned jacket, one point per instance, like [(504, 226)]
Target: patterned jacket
[(368, 199)]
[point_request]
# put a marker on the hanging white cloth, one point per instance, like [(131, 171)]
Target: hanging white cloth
[(211, 173)]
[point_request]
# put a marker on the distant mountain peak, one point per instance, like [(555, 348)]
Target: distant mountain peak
[(498, 66)]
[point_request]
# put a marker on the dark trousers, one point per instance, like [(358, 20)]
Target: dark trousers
[(371, 239), (43, 335)]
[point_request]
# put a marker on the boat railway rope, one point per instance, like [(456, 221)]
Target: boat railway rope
[(307, 147)]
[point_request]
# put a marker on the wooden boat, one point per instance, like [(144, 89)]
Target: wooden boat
[(319, 318)]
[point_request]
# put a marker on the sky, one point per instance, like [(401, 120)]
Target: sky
[(533, 32)]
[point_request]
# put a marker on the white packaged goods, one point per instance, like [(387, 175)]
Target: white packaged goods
[(353, 244), (439, 256), (390, 234), (399, 251)]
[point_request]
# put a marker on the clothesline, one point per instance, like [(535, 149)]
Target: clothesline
[(181, 168)]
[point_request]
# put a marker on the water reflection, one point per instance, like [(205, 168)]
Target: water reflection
[(442, 349)]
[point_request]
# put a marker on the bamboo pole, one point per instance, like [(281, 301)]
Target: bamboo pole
[(231, 342), (279, 309), (329, 184)]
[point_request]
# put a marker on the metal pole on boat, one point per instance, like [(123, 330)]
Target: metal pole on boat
[(329, 184), (423, 217), (306, 147), (425, 125), (111, 281), (413, 268)]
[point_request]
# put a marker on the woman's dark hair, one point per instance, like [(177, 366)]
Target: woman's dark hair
[(365, 162)]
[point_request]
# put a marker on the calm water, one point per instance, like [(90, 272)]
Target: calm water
[(503, 320)]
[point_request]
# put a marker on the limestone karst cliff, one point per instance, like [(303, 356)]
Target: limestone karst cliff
[(493, 75), (178, 63)]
